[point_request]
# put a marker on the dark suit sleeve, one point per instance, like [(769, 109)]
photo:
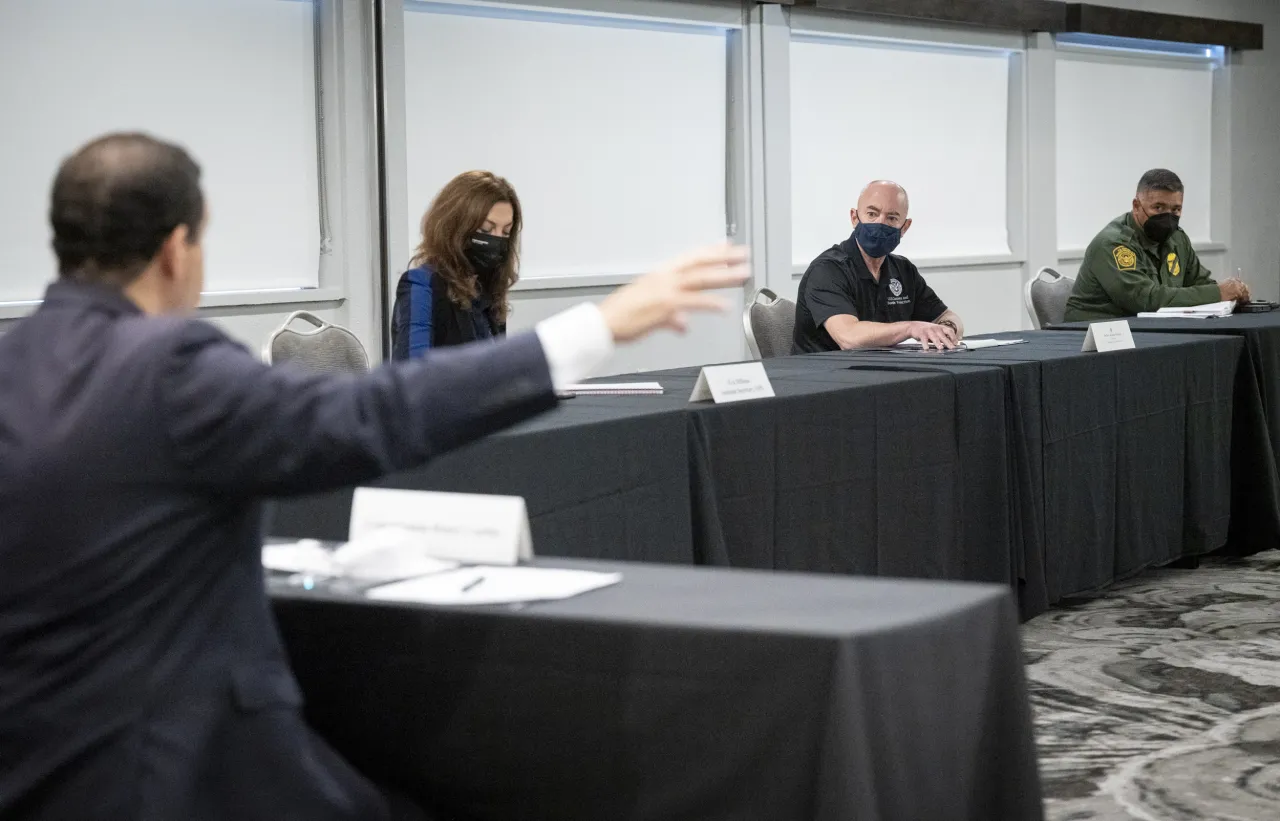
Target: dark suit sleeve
[(928, 307), (238, 426), (829, 293)]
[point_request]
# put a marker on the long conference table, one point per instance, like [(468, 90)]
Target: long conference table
[(1256, 430), (681, 693), (708, 693), (1033, 465)]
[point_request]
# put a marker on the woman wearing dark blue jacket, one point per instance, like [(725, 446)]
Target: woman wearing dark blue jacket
[(456, 288)]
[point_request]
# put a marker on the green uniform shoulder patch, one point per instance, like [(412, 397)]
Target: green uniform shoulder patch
[(1175, 267), (1126, 260)]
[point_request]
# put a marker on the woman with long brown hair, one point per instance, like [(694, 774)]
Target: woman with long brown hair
[(455, 290)]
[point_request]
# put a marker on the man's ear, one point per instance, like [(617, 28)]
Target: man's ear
[(171, 257), (906, 226), (853, 216)]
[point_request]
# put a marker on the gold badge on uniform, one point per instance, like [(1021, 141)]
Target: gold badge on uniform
[(1126, 260), (1174, 267)]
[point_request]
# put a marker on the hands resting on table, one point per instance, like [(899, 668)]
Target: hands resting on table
[(933, 336), (1233, 290)]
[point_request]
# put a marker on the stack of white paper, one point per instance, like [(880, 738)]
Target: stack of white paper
[(495, 585), (614, 389), (306, 556), (1210, 311), (979, 344), (384, 555), (968, 344)]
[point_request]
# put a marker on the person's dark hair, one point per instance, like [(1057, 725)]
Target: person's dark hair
[(1160, 179), (457, 211), (114, 203)]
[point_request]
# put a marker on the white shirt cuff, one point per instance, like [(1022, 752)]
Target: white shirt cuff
[(575, 342)]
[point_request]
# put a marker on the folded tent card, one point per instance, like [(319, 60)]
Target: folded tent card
[(418, 540), (732, 383), (460, 527), (1103, 337)]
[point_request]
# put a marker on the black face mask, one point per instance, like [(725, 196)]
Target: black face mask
[(1160, 227), (486, 252)]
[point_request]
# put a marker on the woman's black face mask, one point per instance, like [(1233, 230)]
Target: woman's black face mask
[(486, 252)]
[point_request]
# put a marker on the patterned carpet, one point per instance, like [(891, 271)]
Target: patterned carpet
[(1160, 698)]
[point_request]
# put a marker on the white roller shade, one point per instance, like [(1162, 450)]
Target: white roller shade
[(231, 80), (612, 133), (934, 120), (1118, 117)]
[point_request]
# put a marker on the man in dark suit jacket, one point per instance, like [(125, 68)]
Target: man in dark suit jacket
[(141, 675)]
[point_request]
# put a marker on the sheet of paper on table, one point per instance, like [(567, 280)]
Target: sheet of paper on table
[(614, 389), (495, 585), (968, 344), (979, 344), (1210, 311), (305, 556)]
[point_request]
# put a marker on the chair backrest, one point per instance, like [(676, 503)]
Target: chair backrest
[(769, 324), (1046, 297), (323, 347)]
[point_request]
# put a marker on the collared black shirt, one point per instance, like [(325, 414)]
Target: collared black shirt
[(838, 282)]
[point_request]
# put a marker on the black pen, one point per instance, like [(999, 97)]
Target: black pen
[(472, 583)]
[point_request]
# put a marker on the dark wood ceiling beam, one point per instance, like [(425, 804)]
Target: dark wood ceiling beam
[(1089, 18), (1047, 15)]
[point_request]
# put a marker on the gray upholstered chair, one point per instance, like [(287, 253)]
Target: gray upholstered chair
[(1046, 297), (323, 347), (769, 323)]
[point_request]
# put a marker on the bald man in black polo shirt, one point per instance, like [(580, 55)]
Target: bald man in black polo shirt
[(860, 295)]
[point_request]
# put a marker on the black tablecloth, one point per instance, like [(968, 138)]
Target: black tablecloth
[(1033, 465), (845, 471), (600, 480), (1255, 456), (1119, 461), (682, 693), (865, 473)]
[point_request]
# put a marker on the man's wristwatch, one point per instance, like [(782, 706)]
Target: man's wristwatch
[(950, 325)]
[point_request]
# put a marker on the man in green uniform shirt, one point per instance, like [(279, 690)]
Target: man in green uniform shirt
[(1143, 261)]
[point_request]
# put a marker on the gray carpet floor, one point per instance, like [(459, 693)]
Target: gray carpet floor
[(1159, 699)]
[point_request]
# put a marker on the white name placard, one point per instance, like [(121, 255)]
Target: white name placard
[(1108, 336), (464, 527), (732, 383)]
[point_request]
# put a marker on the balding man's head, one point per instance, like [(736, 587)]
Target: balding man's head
[(117, 201), (885, 196)]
